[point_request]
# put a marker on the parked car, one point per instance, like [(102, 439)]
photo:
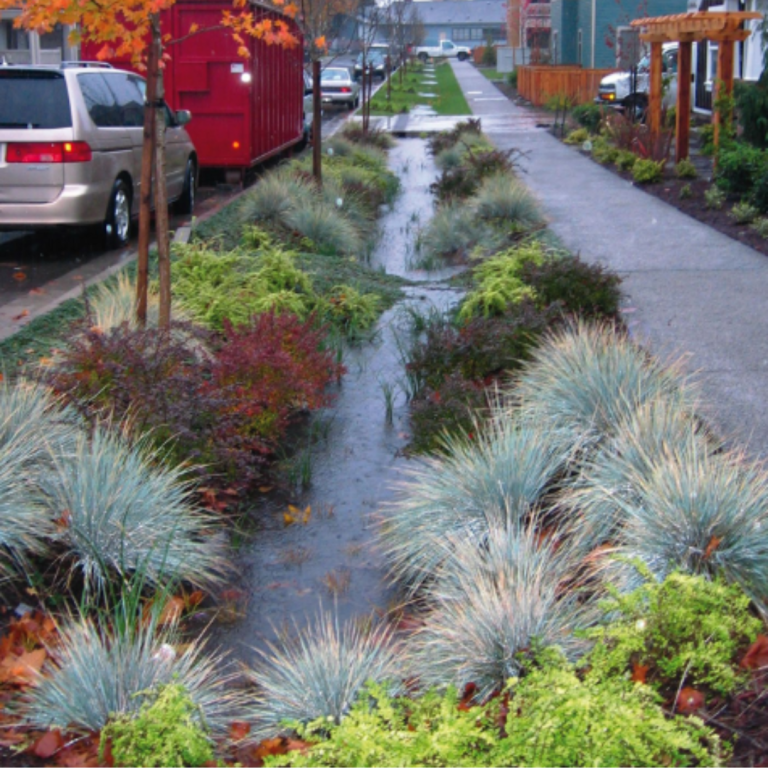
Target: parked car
[(70, 149), (445, 48), (337, 86), (376, 59), (619, 90)]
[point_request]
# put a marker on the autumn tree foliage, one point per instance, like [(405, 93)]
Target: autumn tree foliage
[(132, 29)]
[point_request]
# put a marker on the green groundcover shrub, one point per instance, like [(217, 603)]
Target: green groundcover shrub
[(551, 717), (168, 730), (687, 631)]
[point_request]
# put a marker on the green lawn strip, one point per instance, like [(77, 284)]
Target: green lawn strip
[(450, 100), (404, 95), (491, 74), (41, 335)]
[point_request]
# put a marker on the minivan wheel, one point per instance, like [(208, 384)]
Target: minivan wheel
[(117, 225), (186, 203)]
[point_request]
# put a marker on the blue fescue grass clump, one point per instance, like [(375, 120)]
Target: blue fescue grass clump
[(25, 527), (319, 672), (610, 475), (99, 671), (33, 429), (591, 378), (497, 476), (492, 605), (118, 510), (700, 513), (30, 411)]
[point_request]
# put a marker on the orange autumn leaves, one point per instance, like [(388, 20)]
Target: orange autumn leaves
[(123, 28), (23, 648)]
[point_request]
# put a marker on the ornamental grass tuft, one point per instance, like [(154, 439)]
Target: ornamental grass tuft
[(591, 378), (118, 509), (699, 513), (97, 673), (495, 478), (644, 439), (502, 198), (319, 672), (493, 606)]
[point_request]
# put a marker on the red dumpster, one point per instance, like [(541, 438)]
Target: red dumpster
[(243, 110)]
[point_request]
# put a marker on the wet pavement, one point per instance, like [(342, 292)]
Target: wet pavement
[(323, 552)]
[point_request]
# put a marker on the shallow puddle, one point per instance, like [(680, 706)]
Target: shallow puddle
[(321, 549)]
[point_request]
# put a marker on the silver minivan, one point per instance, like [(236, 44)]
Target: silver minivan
[(70, 149)]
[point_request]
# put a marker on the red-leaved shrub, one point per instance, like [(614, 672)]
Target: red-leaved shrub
[(221, 404)]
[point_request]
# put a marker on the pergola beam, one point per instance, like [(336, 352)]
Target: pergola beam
[(687, 28)]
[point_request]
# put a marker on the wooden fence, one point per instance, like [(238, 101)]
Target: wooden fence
[(538, 84)]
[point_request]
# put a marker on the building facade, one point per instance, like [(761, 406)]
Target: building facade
[(585, 32), (466, 22), (20, 47)]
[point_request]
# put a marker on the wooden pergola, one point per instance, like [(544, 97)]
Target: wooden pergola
[(685, 29)]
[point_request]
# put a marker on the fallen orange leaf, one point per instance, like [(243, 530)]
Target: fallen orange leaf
[(24, 313), (21, 669), (172, 611), (239, 730), (639, 673), (48, 744), (757, 655), (689, 700), (20, 276), (714, 542)]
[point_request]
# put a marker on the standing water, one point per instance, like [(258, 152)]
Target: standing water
[(321, 549)]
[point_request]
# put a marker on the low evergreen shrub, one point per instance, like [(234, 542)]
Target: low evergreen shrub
[(685, 631), (739, 166), (168, 731), (685, 169), (588, 116), (577, 136), (625, 160), (647, 171)]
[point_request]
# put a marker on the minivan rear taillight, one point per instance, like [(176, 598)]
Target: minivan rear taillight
[(48, 152)]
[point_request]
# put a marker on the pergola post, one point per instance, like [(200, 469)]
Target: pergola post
[(683, 109), (724, 81), (727, 27), (654, 98)]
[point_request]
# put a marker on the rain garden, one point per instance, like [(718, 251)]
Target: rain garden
[(504, 532)]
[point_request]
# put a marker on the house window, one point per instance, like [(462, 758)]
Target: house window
[(12, 39), (461, 33), (476, 34)]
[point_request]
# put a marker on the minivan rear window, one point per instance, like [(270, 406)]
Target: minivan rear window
[(33, 99)]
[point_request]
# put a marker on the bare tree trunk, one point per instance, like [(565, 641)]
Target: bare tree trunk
[(145, 199), (317, 158), (161, 210), (364, 110)]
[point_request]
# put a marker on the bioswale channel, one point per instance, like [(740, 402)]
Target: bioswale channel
[(321, 550)]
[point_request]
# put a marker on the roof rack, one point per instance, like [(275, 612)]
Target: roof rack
[(87, 64)]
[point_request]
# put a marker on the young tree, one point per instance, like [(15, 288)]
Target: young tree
[(317, 20), (132, 29)]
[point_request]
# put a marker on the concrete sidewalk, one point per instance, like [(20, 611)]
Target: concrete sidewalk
[(689, 289)]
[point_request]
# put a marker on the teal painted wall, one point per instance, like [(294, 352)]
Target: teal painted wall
[(570, 16)]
